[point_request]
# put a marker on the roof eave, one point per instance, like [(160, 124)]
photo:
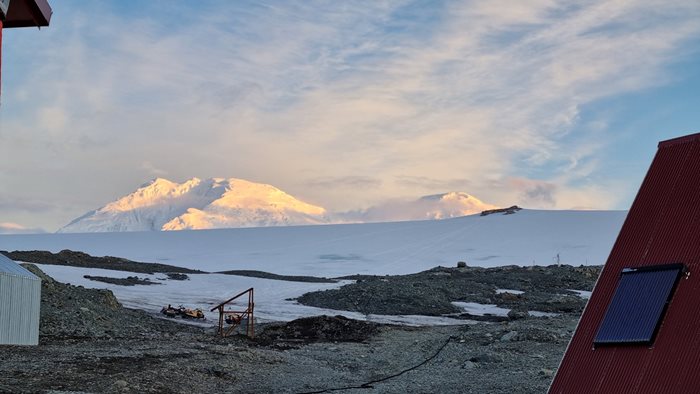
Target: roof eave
[(28, 13)]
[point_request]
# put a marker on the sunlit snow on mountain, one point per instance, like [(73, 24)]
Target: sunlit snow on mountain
[(198, 204), (437, 206)]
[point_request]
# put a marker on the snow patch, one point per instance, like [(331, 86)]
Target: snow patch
[(272, 297), (582, 293), (477, 309), (510, 291), (542, 314)]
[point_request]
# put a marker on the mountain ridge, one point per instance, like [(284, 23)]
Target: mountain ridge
[(164, 205), (197, 204)]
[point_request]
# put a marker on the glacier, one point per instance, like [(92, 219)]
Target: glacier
[(527, 237)]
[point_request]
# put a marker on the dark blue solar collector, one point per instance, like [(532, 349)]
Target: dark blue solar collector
[(637, 308)]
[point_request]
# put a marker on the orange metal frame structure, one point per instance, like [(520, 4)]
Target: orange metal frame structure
[(234, 318)]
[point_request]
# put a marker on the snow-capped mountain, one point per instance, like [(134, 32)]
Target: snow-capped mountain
[(199, 204), (437, 206), (453, 204), (229, 203)]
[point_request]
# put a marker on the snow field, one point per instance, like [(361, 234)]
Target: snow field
[(528, 237), (205, 291)]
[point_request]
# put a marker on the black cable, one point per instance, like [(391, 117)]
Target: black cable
[(368, 385)]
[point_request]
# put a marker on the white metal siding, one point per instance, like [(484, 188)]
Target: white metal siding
[(10, 267), (20, 299)]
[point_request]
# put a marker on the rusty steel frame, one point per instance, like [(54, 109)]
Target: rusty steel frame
[(239, 315)]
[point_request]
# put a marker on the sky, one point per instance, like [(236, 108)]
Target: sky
[(544, 104)]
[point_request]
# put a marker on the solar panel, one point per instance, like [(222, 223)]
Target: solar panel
[(637, 308)]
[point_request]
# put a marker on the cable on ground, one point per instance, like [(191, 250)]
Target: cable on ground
[(368, 385)]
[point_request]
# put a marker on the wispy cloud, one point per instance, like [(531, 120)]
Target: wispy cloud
[(153, 170), (403, 95), (534, 193), (14, 228), (22, 204), (432, 184), (345, 182)]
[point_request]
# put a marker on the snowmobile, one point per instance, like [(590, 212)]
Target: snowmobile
[(183, 312), (188, 313), (169, 311)]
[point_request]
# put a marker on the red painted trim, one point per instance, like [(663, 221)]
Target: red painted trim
[(679, 140)]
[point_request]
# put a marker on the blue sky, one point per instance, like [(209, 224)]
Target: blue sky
[(545, 104)]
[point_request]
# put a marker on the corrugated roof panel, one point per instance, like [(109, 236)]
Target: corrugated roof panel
[(8, 266), (663, 225)]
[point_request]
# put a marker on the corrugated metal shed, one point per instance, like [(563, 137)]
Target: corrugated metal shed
[(663, 226), (20, 300)]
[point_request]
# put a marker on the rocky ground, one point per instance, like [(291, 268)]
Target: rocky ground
[(80, 259), (89, 343), (544, 289)]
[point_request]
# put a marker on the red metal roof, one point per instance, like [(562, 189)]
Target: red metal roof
[(27, 13), (680, 140), (663, 226)]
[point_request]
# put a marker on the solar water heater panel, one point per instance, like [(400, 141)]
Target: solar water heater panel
[(635, 313)]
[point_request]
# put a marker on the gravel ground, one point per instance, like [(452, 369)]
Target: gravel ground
[(89, 343), (483, 358)]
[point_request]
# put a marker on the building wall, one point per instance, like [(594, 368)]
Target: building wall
[(663, 226), (20, 299)]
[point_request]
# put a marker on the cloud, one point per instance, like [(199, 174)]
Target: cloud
[(153, 170), (532, 193), (432, 184), (28, 205), (405, 96), (14, 228), (345, 182)]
